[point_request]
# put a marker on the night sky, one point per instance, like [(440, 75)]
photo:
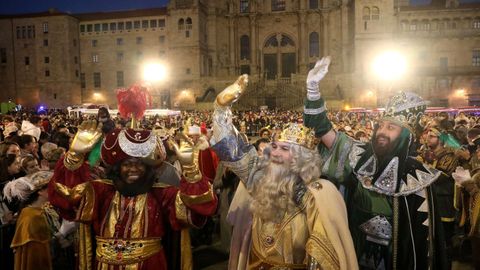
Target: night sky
[(82, 6)]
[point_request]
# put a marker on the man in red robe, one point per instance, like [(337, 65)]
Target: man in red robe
[(130, 211)]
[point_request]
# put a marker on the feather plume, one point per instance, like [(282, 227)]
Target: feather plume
[(20, 188), (133, 100)]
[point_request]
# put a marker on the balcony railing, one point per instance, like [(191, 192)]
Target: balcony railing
[(456, 70)]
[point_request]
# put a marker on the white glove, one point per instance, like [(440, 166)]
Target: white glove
[(67, 227), (315, 75), (461, 175)]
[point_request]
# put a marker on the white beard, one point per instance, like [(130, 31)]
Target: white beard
[(273, 194)]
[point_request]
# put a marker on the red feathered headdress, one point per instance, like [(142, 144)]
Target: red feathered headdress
[(133, 100)]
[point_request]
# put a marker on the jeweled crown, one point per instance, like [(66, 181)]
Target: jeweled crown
[(406, 109), (298, 134)]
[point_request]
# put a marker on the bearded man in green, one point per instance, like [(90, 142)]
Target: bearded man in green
[(389, 194)]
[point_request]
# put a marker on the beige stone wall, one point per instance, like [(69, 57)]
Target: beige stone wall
[(29, 81), (210, 56)]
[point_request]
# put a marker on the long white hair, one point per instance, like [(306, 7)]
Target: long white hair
[(278, 191)]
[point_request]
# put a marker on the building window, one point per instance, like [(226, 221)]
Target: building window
[(47, 73), (476, 58), (136, 24), (29, 31), (97, 80), (24, 32), (181, 24), (128, 25), (314, 44), (96, 27), (243, 6), (476, 24), (83, 84), (45, 27), (187, 34), (188, 71), (153, 23), (413, 26), (19, 32), (76, 73), (425, 26), (366, 13), (3, 55), (82, 28), (145, 24), (89, 28), (139, 40), (119, 41), (161, 23), (375, 13), (404, 25), (113, 26), (104, 26), (75, 60), (95, 58), (313, 4), (188, 23), (278, 5), (245, 48), (119, 56), (161, 39), (120, 81), (121, 25), (27, 60), (244, 69), (46, 60), (94, 43)]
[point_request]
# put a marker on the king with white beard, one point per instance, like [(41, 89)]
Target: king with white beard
[(299, 220)]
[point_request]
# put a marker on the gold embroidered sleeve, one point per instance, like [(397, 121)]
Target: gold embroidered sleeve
[(85, 209), (71, 194), (83, 195), (318, 246), (190, 200), (73, 160), (180, 209)]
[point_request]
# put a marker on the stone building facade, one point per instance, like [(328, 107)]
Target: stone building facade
[(205, 45)]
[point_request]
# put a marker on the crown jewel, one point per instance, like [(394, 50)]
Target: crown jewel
[(298, 134)]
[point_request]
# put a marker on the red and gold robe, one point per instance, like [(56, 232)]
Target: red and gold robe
[(128, 230)]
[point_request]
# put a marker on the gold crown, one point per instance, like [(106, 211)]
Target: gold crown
[(298, 134)]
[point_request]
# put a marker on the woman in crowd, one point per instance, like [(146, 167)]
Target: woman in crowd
[(36, 223)]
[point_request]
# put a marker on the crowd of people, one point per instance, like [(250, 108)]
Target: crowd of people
[(316, 189)]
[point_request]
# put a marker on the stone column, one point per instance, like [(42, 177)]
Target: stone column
[(302, 42), (231, 45), (253, 45)]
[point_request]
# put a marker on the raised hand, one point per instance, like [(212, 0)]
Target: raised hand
[(233, 92), (461, 175), (87, 136), (315, 75)]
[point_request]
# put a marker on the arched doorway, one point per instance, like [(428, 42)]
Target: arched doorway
[(279, 57)]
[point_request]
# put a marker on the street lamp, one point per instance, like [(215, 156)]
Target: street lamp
[(154, 72), (96, 96), (389, 66)]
